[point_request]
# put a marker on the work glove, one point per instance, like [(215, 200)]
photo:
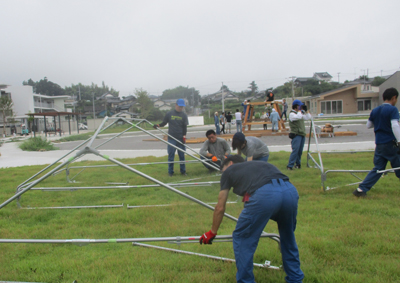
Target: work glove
[(207, 238), (156, 126), (214, 158)]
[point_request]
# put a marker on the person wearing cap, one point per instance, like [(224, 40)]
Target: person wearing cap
[(216, 123), (253, 148), (297, 116), (274, 120), (177, 121), (267, 194), (214, 149)]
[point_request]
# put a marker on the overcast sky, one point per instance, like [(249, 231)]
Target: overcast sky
[(158, 45)]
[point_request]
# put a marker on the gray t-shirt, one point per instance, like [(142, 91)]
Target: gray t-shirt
[(247, 177), (255, 148), (219, 148), (177, 123)]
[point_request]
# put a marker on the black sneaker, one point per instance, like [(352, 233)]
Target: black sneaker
[(297, 166), (169, 174), (183, 174), (359, 194), (289, 168)]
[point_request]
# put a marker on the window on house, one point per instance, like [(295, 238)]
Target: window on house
[(364, 105), (331, 107)]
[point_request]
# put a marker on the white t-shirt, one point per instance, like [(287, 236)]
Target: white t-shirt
[(238, 116)]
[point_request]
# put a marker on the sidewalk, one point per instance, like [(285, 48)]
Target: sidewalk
[(12, 156)]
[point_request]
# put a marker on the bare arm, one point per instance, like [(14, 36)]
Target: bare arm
[(250, 158), (219, 210)]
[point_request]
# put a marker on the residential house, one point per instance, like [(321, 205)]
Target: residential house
[(217, 96), (321, 76), (345, 100), (392, 81)]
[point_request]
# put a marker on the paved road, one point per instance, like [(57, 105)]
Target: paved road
[(133, 145)]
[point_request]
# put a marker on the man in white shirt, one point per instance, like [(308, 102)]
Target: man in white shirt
[(297, 132), (238, 117)]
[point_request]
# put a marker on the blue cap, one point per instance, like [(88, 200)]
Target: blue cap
[(180, 102), (297, 102)]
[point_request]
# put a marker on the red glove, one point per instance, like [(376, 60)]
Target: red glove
[(207, 238), (214, 158), (184, 139)]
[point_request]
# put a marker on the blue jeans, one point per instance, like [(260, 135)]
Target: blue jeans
[(263, 158), (383, 153), (239, 126), (297, 151), (217, 130), (277, 201), (275, 125), (171, 155)]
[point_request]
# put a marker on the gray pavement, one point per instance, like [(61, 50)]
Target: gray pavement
[(135, 144)]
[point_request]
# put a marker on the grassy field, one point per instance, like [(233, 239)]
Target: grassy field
[(340, 238)]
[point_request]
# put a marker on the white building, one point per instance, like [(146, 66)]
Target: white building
[(26, 101)]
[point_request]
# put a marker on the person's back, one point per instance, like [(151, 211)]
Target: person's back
[(255, 148), (274, 116), (228, 117)]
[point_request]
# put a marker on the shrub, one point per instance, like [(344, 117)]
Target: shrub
[(37, 144)]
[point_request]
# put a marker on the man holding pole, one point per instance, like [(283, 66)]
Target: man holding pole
[(177, 121), (267, 194)]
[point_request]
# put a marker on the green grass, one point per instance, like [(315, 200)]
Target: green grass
[(340, 238), (37, 144)]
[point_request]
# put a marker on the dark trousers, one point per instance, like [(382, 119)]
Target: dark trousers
[(277, 201), (297, 150), (384, 153), (171, 155)]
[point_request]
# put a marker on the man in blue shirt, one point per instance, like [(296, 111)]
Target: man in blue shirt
[(385, 121)]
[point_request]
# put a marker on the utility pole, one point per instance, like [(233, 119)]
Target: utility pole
[(364, 78), (293, 77), (222, 96), (94, 114), (338, 79)]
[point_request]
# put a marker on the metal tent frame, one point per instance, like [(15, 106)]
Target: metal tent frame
[(87, 148), (324, 174)]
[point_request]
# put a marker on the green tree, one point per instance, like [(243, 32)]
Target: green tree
[(253, 88), (45, 87), (6, 110), (378, 81), (191, 94), (144, 101)]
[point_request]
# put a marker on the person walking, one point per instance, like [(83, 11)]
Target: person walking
[(385, 121), (228, 122), (285, 108), (222, 120), (267, 194), (253, 148), (297, 132), (238, 117), (274, 120), (216, 123), (177, 121), (215, 149)]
